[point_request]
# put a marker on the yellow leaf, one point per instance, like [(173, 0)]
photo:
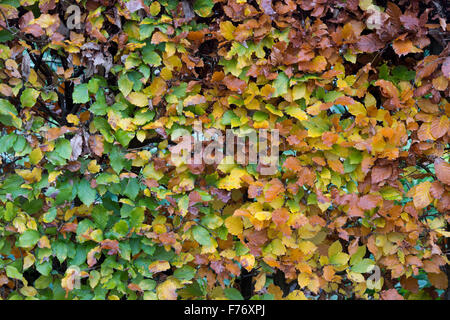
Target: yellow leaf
[(296, 112), (299, 91), (138, 99), (263, 215), (159, 266), (234, 225), (158, 86), (227, 29), (247, 261), (71, 118), (278, 247), (307, 247), (357, 109), (93, 167), (28, 261), (28, 291), (422, 197), (36, 156), (303, 279), (335, 248), (155, 8), (30, 176), (233, 180), (260, 281), (296, 295), (53, 175), (167, 289)]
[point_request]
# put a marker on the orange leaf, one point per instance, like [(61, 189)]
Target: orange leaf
[(422, 197), (391, 294), (442, 169)]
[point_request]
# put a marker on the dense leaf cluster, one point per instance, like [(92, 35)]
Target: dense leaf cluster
[(94, 207)]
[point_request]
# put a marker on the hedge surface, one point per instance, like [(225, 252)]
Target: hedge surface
[(94, 207)]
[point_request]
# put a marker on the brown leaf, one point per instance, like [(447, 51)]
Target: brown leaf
[(391, 294), (403, 47), (336, 165), (442, 169), (438, 280), (370, 43), (427, 66), (3, 280), (266, 5), (446, 68), (274, 190), (369, 201), (422, 197), (381, 173), (292, 163), (234, 84), (77, 146), (135, 287), (280, 216), (96, 144), (410, 284), (440, 126), (159, 266), (111, 245)]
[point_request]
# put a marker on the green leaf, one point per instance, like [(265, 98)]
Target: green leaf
[(8, 114), (260, 116), (358, 255), (391, 193), (60, 250), (86, 193), (185, 273), (403, 73), (116, 159), (201, 235), (132, 188), (94, 84), (44, 268), (281, 84), (28, 239), (203, 7), (63, 148), (99, 107), (6, 35), (80, 93), (339, 259), (355, 157), (42, 282), (100, 216), (233, 294), (331, 96), (183, 204), (363, 266), (124, 137), (28, 97), (13, 273), (335, 248), (227, 117), (10, 211), (149, 56), (141, 118), (212, 221), (125, 84), (121, 228), (137, 217)]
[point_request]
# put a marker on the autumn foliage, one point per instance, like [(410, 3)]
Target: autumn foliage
[(93, 207)]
